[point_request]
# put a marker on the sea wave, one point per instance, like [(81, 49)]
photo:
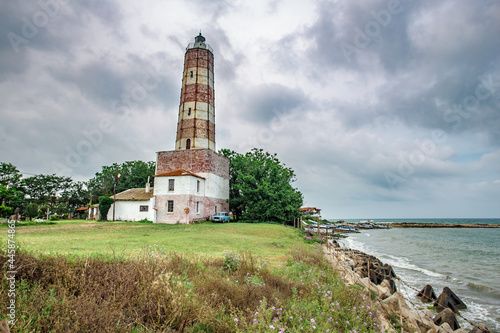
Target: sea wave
[(395, 261), (483, 289)]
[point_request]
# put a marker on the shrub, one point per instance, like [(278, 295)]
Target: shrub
[(54, 218), (31, 210), (104, 205), (5, 211)]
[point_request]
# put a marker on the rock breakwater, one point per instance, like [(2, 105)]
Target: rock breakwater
[(380, 282)]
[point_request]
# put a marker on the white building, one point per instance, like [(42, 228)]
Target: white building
[(134, 204)]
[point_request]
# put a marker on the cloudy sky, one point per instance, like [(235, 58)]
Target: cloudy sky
[(383, 108)]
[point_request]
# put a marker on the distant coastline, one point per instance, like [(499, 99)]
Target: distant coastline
[(442, 225)]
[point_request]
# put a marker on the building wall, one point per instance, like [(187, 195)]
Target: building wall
[(182, 185), (182, 201), (213, 194), (129, 211), (198, 161)]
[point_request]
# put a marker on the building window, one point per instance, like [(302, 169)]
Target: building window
[(171, 183), (197, 186), (189, 111), (143, 208), (215, 209), (191, 73), (170, 206), (197, 207), (188, 144)]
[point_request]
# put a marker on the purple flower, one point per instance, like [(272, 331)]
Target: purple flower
[(312, 320), (236, 319)]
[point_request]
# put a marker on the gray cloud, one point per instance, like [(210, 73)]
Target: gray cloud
[(342, 120)]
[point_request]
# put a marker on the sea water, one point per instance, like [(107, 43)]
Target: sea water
[(465, 260)]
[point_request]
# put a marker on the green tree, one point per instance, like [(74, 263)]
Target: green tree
[(10, 177), (31, 210), (46, 189), (11, 197), (11, 191), (5, 211), (104, 205), (260, 187), (133, 174), (75, 196)]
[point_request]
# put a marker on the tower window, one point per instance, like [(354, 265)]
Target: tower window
[(198, 207), (170, 206), (189, 111), (188, 144), (191, 73), (197, 186), (171, 183)]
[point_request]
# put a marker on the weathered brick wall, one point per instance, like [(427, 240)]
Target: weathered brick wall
[(182, 201), (193, 160)]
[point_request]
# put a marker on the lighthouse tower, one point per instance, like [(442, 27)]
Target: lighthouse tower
[(196, 121), (192, 181)]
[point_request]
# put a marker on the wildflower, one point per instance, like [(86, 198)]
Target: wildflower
[(312, 320), (256, 313), (271, 326), (291, 317), (236, 320), (330, 319), (314, 327)]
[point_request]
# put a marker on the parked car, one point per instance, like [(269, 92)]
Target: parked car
[(220, 217)]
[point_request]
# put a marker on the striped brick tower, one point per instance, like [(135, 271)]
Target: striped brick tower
[(196, 119)]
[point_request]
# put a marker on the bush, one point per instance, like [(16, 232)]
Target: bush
[(104, 205), (54, 218), (5, 211), (31, 210)]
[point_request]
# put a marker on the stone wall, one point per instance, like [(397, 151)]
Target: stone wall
[(194, 160)]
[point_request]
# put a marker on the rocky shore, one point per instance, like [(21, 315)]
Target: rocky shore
[(442, 225), (381, 284)]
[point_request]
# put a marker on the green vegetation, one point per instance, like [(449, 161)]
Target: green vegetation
[(62, 195), (260, 187), (104, 205), (132, 174), (126, 277)]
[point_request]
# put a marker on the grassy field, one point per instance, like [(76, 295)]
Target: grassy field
[(79, 237), (81, 276)]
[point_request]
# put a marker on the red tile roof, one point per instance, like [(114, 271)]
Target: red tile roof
[(180, 172)]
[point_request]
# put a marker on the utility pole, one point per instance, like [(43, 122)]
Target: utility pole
[(114, 194), (114, 201)]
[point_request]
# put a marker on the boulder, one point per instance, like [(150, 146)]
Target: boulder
[(393, 301), (448, 299), (427, 294), (445, 328), (481, 328), (447, 316), (383, 292)]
